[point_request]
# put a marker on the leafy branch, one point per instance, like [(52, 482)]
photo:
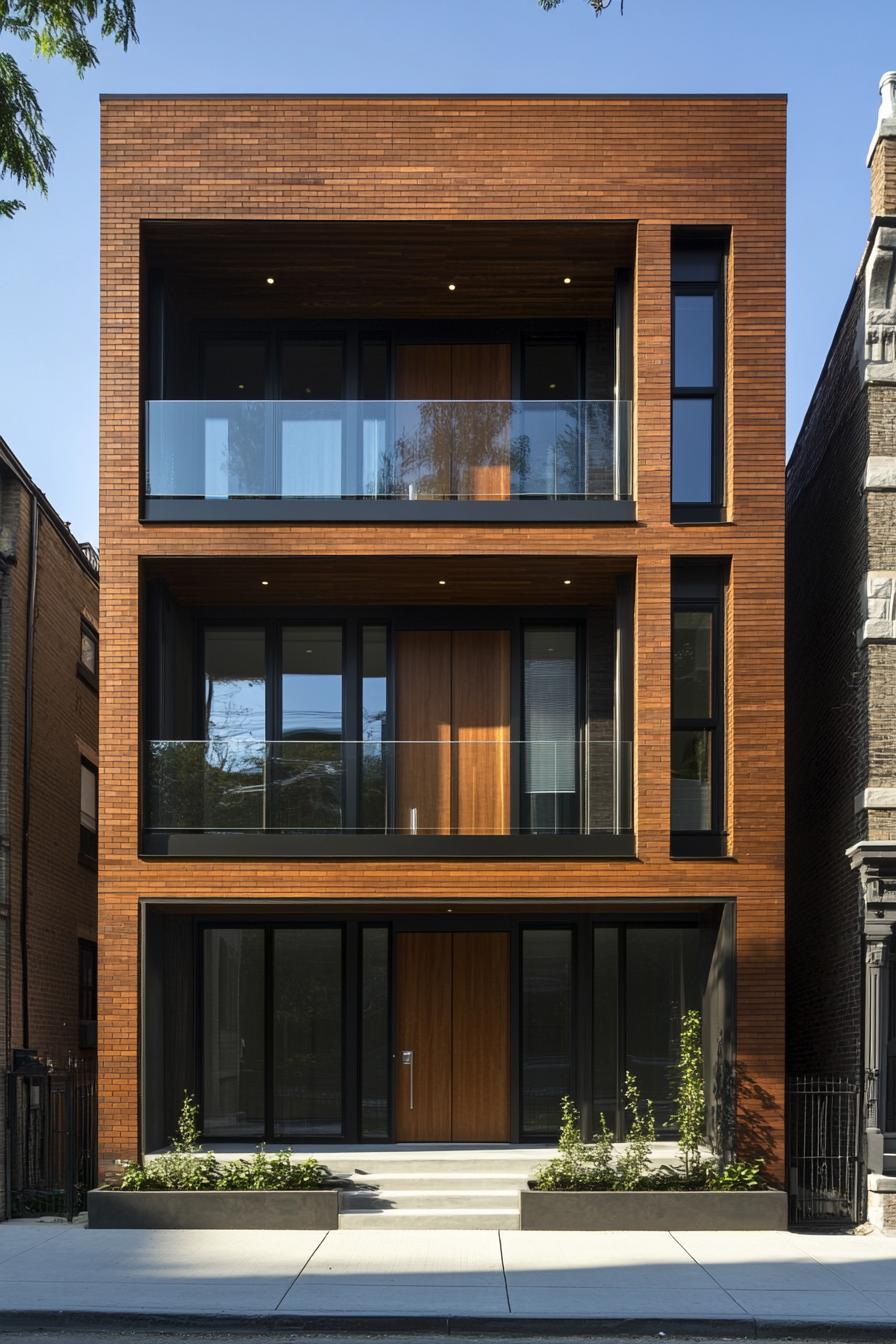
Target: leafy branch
[(597, 5), (53, 28)]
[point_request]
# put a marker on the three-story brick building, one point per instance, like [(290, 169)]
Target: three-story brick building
[(442, 522)]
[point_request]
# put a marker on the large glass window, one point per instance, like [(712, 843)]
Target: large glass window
[(375, 1070), (548, 447), (311, 372), (697, 379), (662, 983), (547, 1028), (233, 1033), (309, 766), (696, 740), (307, 1006), (234, 381), (551, 729)]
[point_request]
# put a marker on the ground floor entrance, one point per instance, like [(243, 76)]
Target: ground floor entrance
[(295, 1026)]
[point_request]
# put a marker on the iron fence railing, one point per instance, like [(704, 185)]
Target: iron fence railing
[(52, 1132), (825, 1155)]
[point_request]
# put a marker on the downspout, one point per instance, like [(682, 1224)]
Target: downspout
[(26, 761)]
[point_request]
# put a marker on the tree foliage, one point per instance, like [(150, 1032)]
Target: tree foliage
[(52, 28), (597, 5)]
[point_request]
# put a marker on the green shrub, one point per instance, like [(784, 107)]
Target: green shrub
[(579, 1166), (186, 1167), (690, 1115), (633, 1164), (738, 1176)]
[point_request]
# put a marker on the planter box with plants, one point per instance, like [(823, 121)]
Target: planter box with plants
[(189, 1188), (589, 1188)]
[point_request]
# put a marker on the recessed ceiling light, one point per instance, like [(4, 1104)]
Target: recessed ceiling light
[(452, 286), (241, 386), (442, 583), (264, 583), (567, 582), (567, 279), (552, 387), (270, 279)]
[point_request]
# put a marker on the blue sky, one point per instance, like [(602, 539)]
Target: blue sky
[(826, 56)]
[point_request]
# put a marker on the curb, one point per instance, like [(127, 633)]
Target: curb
[(386, 1327)]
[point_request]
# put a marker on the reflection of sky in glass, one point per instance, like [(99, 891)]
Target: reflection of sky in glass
[(692, 451), (234, 684), (373, 699), (694, 339), (312, 682)]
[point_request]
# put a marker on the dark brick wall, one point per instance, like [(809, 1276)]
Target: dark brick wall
[(827, 700)]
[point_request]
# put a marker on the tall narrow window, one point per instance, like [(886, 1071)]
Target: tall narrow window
[(236, 446), (233, 1034), (547, 1028), (89, 654), (232, 766), (312, 418), (373, 749), (548, 453), (309, 767), (88, 841), (307, 1032), (375, 1061), (697, 378), (551, 729), (696, 814), (667, 961)]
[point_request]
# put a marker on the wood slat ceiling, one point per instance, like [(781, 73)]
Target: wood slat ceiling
[(469, 581), (395, 269)]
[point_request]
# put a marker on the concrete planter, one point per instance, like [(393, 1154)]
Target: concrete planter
[(282, 1210), (653, 1210)]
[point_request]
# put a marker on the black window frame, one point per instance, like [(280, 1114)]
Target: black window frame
[(696, 590), (88, 842), (91, 677), (87, 993), (713, 510)]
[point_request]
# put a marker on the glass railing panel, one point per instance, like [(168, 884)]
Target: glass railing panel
[(413, 450), (329, 786)]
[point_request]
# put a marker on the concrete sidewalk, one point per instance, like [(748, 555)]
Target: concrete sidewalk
[(731, 1283)]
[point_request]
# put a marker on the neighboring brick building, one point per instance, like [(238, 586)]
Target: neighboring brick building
[(841, 662), (49, 721), (409, 529)]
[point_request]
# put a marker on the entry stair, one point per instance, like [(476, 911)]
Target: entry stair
[(437, 1188)]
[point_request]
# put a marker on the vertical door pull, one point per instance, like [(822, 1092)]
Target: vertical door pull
[(407, 1058)]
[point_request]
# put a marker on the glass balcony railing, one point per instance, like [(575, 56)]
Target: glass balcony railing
[(388, 450), (320, 787)]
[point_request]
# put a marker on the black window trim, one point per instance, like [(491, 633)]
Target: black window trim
[(692, 591), (712, 511), (89, 631), (86, 1022)]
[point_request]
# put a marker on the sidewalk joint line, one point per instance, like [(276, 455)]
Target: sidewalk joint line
[(707, 1272), (504, 1271), (308, 1258)]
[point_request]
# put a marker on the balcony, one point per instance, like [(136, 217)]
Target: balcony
[(466, 798), (390, 461)]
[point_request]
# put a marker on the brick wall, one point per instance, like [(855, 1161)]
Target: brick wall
[(657, 161)]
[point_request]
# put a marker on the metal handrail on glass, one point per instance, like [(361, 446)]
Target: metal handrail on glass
[(387, 450), (459, 786)]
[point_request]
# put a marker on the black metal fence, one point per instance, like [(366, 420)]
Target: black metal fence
[(825, 1139), (52, 1132)]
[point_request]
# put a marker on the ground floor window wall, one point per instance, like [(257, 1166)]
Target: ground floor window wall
[(287, 1030)]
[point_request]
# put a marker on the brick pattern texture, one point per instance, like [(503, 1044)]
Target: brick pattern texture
[(660, 162)]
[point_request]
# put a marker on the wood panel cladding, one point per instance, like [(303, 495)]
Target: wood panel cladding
[(452, 701)]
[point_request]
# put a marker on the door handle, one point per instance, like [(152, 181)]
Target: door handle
[(407, 1058)]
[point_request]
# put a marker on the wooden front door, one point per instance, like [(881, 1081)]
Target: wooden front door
[(453, 726), (452, 1020), (469, 436)]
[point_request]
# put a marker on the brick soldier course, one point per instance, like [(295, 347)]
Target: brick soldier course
[(659, 162)]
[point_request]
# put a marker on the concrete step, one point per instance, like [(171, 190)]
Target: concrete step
[(438, 1180), (444, 1166), (436, 1219), (404, 1200)]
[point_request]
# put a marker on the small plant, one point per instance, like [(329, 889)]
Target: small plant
[(274, 1172), (690, 1117), (738, 1176), (634, 1163)]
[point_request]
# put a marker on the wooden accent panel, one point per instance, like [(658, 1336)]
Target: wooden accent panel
[(480, 1047), (481, 373), (422, 372), (423, 705), (480, 718), (423, 1025)]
